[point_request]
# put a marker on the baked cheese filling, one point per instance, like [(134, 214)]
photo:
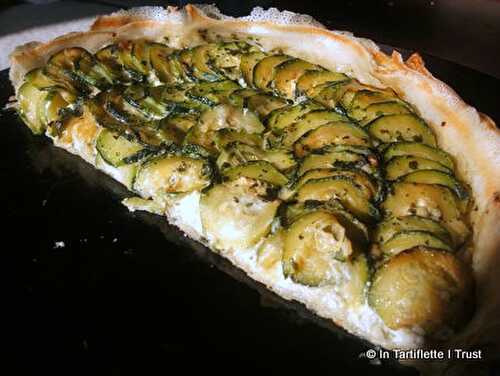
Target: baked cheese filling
[(329, 191)]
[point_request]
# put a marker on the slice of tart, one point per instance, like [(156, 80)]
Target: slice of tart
[(340, 177)]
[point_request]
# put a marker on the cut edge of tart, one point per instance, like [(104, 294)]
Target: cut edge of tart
[(334, 189)]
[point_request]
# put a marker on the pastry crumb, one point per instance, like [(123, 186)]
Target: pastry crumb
[(59, 244)]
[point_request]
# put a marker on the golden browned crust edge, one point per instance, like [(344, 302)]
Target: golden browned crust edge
[(472, 138)]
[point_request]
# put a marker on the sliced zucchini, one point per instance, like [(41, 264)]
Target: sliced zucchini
[(358, 232), (177, 61), (258, 170), (124, 174), (215, 92), (97, 106), (116, 105), (409, 239), (201, 67), (437, 177), (142, 100), (109, 57), (62, 67), (283, 159), (265, 70), (342, 188), (285, 116), (157, 135), (422, 288), (172, 173), (430, 201), (364, 98), (367, 183), (404, 127), (116, 150), (227, 116), (287, 74), (112, 112), (30, 99), (270, 251), (120, 63), (307, 122), (226, 136), (219, 117), (419, 150), (341, 157), (245, 93), (312, 244), (330, 94), (93, 73), (183, 122), (247, 64), (359, 277), (197, 136), (390, 227), (38, 79), (238, 153), (264, 104), (226, 58), (141, 51), (357, 96), (376, 110), (180, 96), (334, 133), (310, 80), (238, 97), (185, 58), (406, 164), (129, 60), (53, 104), (167, 70), (237, 214), (168, 133)]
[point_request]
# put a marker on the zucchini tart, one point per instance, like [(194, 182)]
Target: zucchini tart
[(348, 180)]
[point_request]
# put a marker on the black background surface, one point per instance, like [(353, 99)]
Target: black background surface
[(128, 295)]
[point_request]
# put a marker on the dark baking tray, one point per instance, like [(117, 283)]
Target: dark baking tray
[(128, 294)]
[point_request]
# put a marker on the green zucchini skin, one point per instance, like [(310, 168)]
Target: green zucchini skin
[(258, 170), (405, 240), (402, 165), (116, 150), (402, 127), (255, 131), (390, 227), (437, 177), (342, 188)]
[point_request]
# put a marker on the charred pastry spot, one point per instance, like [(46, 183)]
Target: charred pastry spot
[(203, 33), (496, 197)]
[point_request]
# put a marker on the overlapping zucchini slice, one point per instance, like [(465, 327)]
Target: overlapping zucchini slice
[(425, 289), (43, 101), (238, 213), (183, 170), (323, 175)]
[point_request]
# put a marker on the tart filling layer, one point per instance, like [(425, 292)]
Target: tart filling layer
[(329, 191)]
